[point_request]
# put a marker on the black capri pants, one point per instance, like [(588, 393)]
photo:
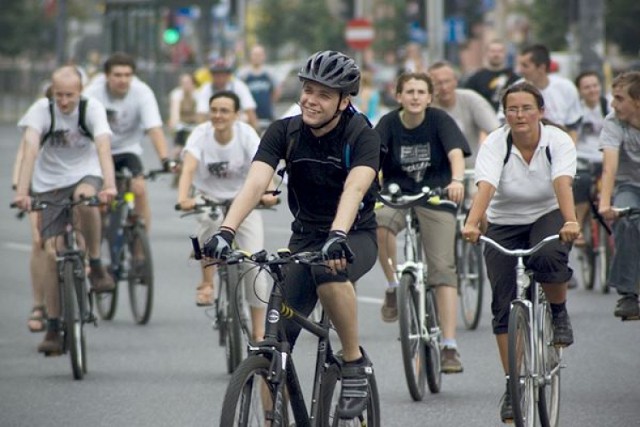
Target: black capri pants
[(301, 281), (549, 265)]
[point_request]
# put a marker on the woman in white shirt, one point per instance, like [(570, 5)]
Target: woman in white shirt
[(524, 173), (216, 160)]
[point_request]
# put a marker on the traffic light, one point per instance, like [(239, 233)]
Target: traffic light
[(171, 35)]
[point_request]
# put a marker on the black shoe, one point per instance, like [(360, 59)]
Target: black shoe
[(506, 407), (562, 330), (627, 307), (355, 387)]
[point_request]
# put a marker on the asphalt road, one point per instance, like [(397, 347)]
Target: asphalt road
[(172, 373)]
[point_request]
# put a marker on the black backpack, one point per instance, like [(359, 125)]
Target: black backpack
[(82, 125)]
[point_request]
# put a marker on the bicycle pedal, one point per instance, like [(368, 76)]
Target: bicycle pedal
[(629, 318)]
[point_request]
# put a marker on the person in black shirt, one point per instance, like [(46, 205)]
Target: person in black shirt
[(332, 206), (425, 148), (493, 79)]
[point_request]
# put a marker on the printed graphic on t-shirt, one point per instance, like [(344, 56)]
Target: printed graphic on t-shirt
[(415, 160), (496, 85), (64, 138), (118, 121), (218, 169)]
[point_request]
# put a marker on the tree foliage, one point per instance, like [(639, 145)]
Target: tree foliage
[(622, 25), (24, 28)]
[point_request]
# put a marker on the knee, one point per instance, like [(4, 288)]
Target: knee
[(138, 187), (385, 233)]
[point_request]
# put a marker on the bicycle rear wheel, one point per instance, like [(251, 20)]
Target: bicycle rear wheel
[(330, 395), (233, 329), (434, 344), (411, 342), (587, 255), (470, 282), (605, 251), (521, 369), (550, 358), (249, 399), (73, 330), (140, 274)]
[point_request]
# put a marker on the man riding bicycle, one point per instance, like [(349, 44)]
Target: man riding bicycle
[(620, 144), (132, 111), (332, 205), (65, 162)]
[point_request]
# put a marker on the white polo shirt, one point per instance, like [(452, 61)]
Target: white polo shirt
[(524, 192)]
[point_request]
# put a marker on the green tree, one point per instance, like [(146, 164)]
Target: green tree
[(550, 21), (622, 25), (24, 28)]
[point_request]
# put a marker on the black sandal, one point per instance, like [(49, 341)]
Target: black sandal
[(38, 316)]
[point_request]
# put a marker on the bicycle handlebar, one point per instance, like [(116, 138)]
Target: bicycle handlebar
[(395, 199), (37, 205), (520, 252), (628, 211)]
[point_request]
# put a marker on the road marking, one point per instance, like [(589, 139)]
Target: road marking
[(22, 247), (370, 300)]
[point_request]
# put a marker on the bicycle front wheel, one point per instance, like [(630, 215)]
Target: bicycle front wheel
[(470, 282), (140, 275), (233, 321), (434, 344), (411, 341), (521, 367), (550, 358), (330, 395), (73, 331), (250, 396)]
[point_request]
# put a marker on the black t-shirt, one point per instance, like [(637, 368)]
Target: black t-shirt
[(418, 157), (318, 173), (491, 83)]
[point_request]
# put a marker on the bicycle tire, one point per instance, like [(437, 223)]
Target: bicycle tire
[(587, 256), (107, 302), (605, 251), (521, 367), (411, 343), (434, 345), (470, 282), (233, 321), (140, 275), (330, 394), (550, 358), (250, 395), (73, 331)]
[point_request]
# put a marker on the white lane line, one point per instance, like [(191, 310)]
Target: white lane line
[(22, 247), (370, 300)]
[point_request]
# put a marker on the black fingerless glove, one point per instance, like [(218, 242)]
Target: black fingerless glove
[(336, 247), (219, 245), (168, 165)]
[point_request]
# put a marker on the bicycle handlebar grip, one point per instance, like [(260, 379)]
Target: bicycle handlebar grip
[(13, 205), (197, 252), (177, 207)]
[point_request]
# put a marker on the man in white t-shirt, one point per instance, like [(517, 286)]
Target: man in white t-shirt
[(473, 114), (561, 99), (216, 161), (222, 78), (132, 111), (66, 156)]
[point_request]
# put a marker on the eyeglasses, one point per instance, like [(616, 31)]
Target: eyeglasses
[(526, 110)]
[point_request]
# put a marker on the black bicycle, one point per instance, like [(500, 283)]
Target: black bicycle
[(76, 308), (265, 389), (230, 316), (126, 244)]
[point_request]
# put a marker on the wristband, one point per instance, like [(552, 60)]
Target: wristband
[(227, 229), (460, 180), (571, 222)]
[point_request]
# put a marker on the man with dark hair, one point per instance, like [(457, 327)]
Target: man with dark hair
[(561, 99)]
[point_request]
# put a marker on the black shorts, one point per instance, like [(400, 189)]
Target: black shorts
[(128, 161), (301, 281), (549, 265)]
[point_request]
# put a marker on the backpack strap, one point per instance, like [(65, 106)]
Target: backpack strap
[(358, 123), (293, 132), (547, 150), (604, 105), (82, 114), (53, 123)]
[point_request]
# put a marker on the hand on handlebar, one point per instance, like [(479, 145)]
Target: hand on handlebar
[(269, 200), (607, 212), (471, 233), (168, 165), (107, 194), (219, 245), (336, 251), (455, 192), (187, 204), (569, 232), (22, 202)]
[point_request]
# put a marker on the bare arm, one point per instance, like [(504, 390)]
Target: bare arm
[(30, 153), (159, 142), (609, 170), (563, 187), (479, 207), (174, 113), (189, 167), (103, 146), (257, 181), (456, 188), (355, 187), (17, 163)]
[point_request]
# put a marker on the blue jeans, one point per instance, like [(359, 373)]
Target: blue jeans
[(624, 271)]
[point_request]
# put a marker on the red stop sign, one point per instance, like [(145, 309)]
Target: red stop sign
[(359, 34)]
